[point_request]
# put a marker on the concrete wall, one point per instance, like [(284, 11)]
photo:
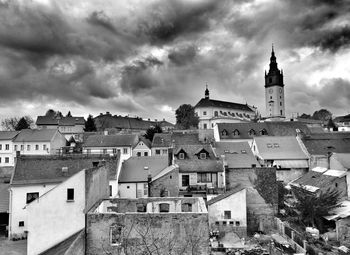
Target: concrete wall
[(169, 182), (97, 186), (18, 211), (51, 218), (289, 175), (109, 150)]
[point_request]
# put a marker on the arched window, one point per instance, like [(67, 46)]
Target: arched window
[(224, 132), (235, 132), (252, 132), (216, 114), (263, 131)]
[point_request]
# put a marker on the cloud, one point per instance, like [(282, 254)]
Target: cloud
[(183, 55)]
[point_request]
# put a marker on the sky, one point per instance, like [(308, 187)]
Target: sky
[(146, 58)]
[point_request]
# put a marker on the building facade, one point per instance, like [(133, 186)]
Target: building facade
[(6, 148)]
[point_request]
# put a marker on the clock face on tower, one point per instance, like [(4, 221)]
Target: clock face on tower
[(270, 91), (280, 90)]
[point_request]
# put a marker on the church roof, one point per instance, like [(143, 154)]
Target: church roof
[(206, 102)]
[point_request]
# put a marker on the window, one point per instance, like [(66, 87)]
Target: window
[(224, 132), (281, 112), (157, 152), (280, 103), (235, 132), (138, 154), (0, 147), (7, 147), (37, 147), (110, 190), (21, 223), (181, 155), (164, 207), (263, 132), (115, 235), (336, 184), (251, 132), (28, 147), (0, 159), (231, 223), (227, 215), (203, 155), (186, 207), (270, 97), (32, 196), (276, 145), (15, 147), (146, 153), (206, 177), (22, 147), (224, 223), (70, 194), (238, 223), (185, 180), (216, 113), (243, 151), (145, 189), (104, 151), (128, 187), (204, 113), (7, 160), (125, 150), (141, 208), (165, 151), (269, 145), (114, 151), (205, 126), (44, 147)]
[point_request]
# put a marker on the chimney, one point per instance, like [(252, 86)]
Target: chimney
[(149, 180), (253, 165), (163, 119)]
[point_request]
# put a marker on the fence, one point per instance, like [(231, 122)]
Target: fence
[(293, 237)]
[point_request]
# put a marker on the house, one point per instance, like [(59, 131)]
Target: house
[(161, 143), (111, 144), (39, 142), (140, 176), (236, 154), (211, 112), (343, 123), (6, 148), (341, 161), (286, 153), (228, 212), (154, 225), (35, 175), (69, 126), (142, 148), (200, 172), (320, 146), (60, 213)]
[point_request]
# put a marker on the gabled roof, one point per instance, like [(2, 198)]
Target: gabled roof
[(279, 147), (8, 135), (161, 140), (145, 141), (36, 135), (133, 169), (59, 121), (344, 118), (206, 102), (321, 144), (193, 164), (185, 139), (31, 170), (110, 140), (237, 154), (220, 197)]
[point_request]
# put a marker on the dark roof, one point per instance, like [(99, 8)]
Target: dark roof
[(8, 135), (247, 130), (4, 197), (206, 102), (110, 140), (48, 169), (237, 154), (320, 144), (36, 135), (133, 169), (6, 171), (279, 147), (185, 139), (161, 140), (316, 179), (225, 195), (145, 141), (62, 247), (193, 164), (60, 121)]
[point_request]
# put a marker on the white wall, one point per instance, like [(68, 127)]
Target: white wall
[(32, 150), (132, 190), (163, 151), (194, 180), (236, 203), (18, 199), (277, 97), (141, 147), (52, 218), (109, 150), (6, 153)]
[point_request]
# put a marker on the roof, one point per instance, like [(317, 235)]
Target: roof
[(344, 118), (185, 139), (111, 140), (4, 197), (48, 169), (321, 144), (206, 102), (343, 158), (8, 135), (193, 164), (220, 197), (60, 121), (161, 140), (251, 129), (36, 135), (133, 169), (145, 141), (279, 147), (237, 154)]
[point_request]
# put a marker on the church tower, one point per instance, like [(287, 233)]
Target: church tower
[(274, 91)]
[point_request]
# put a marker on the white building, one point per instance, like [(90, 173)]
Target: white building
[(39, 142), (35, 175), (6, 148), (111, 144), (211, 112), (142, 148)]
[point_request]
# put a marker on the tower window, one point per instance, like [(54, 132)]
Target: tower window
[(280, 103), (270, 80), (216, 113), (281, 112), (270, 97)]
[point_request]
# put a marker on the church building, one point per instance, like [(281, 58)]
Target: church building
[(212, 111), (274, 91)]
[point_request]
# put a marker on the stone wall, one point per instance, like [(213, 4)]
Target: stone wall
[(169, 182), (343, 229), (143, 233)]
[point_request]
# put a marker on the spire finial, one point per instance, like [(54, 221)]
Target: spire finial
[(272, 48), (206, 90)]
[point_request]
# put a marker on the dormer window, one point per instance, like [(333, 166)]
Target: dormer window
[(269, 145), (181, 155), (235, 132), (252, 132), (276, 145), (263, 132), (224, 132), (203, 155)]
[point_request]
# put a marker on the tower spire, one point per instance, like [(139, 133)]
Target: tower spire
[(206, 93)]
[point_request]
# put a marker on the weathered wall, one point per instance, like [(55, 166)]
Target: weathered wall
[(169, 182), (343, 231), (262, 195), (166, 233), (97, 185)]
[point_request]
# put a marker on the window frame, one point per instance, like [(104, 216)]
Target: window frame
[(227, 215), (34, 195), (70, 194)]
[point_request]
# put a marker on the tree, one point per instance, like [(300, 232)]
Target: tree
[(53, 114), (90, 124), (151, 131), (305, 116), (11, 123), (313, 207), (186, 117), (322, 114), (22, 124), (69, 114)]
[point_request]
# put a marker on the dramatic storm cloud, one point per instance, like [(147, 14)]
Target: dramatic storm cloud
[(146, 58)]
